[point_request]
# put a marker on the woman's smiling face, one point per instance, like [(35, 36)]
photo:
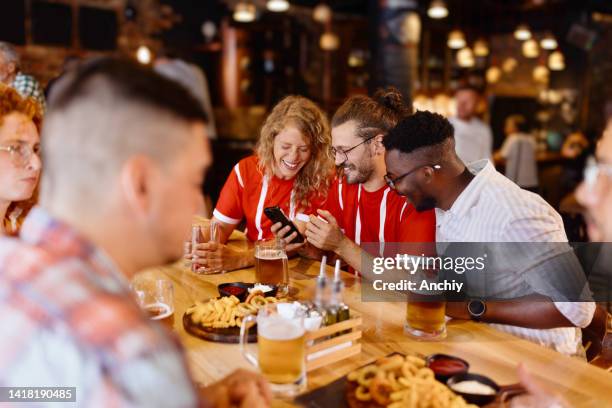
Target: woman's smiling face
[(291, 152)]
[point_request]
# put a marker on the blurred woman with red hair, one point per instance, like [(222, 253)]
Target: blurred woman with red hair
[(20, 163)]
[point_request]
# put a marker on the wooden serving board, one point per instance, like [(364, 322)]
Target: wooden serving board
[(341, 394), (227, 335)]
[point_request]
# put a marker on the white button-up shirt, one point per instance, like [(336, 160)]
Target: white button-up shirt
[(492, 209), (473, 139)]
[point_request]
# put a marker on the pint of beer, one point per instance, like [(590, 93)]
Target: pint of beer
[(155, 296), (281, 348), (426, 310), (425, 318), (271, 263)]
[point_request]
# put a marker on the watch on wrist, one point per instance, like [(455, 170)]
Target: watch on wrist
[(476, 308)]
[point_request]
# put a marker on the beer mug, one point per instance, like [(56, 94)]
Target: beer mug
[(425, 310), (271, 265), (281, 352), (156, 297)]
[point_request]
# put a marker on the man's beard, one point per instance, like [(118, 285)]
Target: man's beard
[(364, 170), (357, 174), (426, 204)]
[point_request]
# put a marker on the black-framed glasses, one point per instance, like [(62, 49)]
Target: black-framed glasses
[(392, 182), (21, 153), (344, 153)]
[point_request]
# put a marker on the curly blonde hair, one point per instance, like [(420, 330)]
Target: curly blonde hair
[(11, 101), (305, 115)]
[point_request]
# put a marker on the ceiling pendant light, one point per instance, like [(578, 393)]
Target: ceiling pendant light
[(322, 13), (437, 9), (244, 12), (456, 40), (481, 49), (277, 6), (522, 32), (329, 41), (531, 48), (465, 57), (541, 74), (556, 61), (493, 74), (509, 65), (548, 42), (144, 55)]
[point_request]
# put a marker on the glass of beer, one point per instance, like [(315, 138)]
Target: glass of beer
[(271, 264), (280, 353), (425, 310), (156, 297)]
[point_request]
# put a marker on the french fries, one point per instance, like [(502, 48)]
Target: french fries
[(226, 312), (403, 382)]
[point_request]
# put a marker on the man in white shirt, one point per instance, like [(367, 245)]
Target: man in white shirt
[(476, 204), (473, 137)]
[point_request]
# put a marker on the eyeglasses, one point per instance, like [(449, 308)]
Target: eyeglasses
[(21, 153), (592, 170), (392, 182), (344, 153)]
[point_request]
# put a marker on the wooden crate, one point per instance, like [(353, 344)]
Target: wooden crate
[(319, 350)]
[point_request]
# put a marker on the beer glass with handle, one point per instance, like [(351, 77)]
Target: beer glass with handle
[(425, 308), (271, 265), (281, 347)]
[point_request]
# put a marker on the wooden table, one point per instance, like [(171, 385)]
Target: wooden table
[(488, 351)]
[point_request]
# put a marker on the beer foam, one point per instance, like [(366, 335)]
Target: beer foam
[(270, 254), (166, 308), (277, 328)]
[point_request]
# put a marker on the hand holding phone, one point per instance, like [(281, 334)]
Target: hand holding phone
[(275, 214)]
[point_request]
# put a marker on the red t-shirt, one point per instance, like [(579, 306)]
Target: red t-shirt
[(248, 191), (378, 216)]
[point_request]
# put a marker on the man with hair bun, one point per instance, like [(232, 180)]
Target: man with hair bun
[(360, 207)]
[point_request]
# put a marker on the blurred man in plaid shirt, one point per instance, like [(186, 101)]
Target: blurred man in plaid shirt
[(11, 75), (124, 157)]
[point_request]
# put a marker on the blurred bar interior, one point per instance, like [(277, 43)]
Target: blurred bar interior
[(548, 60)]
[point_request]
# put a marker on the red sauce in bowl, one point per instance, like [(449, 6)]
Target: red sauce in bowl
[(447, 366), (234, 290)]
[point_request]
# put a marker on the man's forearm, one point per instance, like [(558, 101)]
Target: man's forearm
[(354, 256), (534, 312)]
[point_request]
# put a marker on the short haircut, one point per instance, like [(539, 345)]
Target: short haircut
[(379, 113), (101, 114), (421, 130), (10, 53)]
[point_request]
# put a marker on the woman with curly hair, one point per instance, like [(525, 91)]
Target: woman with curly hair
[(291, 168), (20, 164)]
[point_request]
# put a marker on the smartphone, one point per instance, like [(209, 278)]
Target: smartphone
[(275, 214)]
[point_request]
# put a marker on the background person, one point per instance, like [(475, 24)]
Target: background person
[(519, 153), (473, 137), (20, 121), (11, 75)]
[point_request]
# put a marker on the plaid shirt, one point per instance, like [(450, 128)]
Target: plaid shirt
[(29, 87), (67, 319)]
